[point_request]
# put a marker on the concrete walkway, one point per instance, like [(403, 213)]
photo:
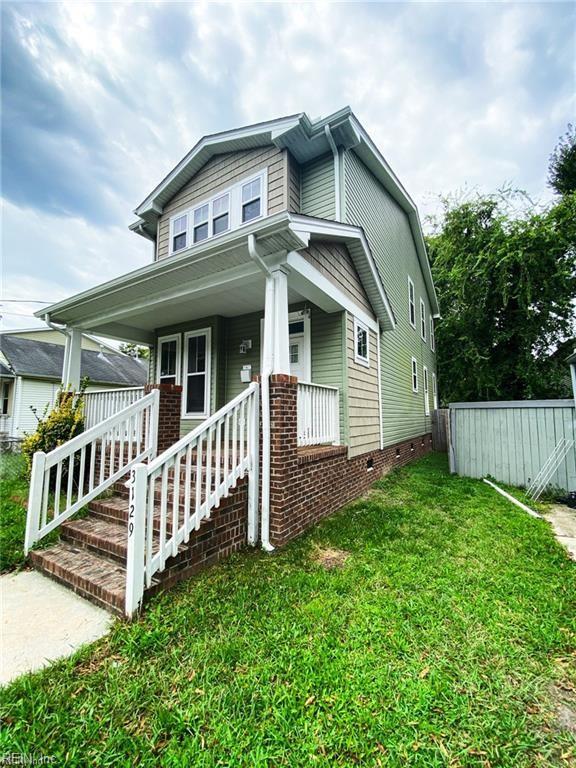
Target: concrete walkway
[(43, 621), (563, 521)]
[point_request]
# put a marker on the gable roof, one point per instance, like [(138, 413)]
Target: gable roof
[(40, 359), (305, 139), (101, 343)]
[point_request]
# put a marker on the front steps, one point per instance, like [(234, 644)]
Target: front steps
[(90, 557)]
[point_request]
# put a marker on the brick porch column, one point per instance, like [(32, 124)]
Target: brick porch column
[(169, 413), (283, 453)]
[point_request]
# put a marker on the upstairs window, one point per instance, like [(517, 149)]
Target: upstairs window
[(232, 208), (432, 338), (414, 375), (423, 319), (251, 200), (361, 351), (179, 233), (426, 393), (411, 304)]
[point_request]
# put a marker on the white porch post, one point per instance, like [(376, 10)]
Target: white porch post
[(280, 332), (72, 359)]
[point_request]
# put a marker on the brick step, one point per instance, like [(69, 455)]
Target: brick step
[(114, 511), (90, 575), (97, 534)]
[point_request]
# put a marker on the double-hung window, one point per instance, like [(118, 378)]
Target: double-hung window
[(251, 200), (414, 375), (423, 319), (4, 397), (411, 304), (179, 233), (361, 344), (426, 393), (168, 367), (196, 378), (221, 214), (201, 223), (432, 338)]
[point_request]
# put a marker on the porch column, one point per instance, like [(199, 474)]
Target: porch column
[(71, 370), (280, 332)]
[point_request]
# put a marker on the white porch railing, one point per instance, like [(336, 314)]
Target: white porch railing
[(66, 479), (101, 404), (170, 496), (318, 415)]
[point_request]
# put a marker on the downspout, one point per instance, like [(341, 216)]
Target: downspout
[(267, 363), (380, 409), (337, 195), (64, 330)]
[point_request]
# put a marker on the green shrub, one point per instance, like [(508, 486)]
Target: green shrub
[(58, 425)]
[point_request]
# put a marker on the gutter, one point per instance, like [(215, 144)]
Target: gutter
[(267, 361), (337, 196)]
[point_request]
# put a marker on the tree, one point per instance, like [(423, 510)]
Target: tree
[(506, 288), (135, 350), (562, 165)]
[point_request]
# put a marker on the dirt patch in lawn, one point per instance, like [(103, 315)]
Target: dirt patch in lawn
[(564, 700), (330, 558)]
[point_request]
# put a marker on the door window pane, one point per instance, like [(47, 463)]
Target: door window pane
[(168, 359), (294, 353), (196, 375)]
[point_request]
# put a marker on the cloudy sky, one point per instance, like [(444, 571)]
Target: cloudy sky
[(100, 100)]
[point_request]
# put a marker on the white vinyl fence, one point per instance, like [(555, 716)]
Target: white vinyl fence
[(512, 441)]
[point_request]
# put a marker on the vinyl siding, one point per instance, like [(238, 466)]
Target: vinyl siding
[(334, 262), (363, 409), (293, 185), (223, 171), (317, 188), (387, 228)]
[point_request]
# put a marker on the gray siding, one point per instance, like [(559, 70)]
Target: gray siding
[(334, 262), (363, 408), (221, 172), (386, 226), (293, 185), (512, 443), (317, 188)]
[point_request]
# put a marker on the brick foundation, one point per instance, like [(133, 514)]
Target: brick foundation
[(169, 414), (309, 484)]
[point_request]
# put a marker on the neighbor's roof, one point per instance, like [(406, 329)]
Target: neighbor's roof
[(5, 372), (39, 359), (305, 139)]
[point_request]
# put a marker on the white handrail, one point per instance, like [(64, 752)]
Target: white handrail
[(103, 403), (89, 464), (318, 414), (174, 493)]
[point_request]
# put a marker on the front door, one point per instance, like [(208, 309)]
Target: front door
[(299, 346)]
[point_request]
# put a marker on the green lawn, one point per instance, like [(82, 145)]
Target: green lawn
[(13, 499), (446, 639)]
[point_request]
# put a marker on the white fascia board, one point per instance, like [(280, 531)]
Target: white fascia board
[(321, 286), (213, 140)]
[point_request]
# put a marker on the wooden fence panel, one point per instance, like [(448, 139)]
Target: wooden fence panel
[(440, 429), (511, 441)]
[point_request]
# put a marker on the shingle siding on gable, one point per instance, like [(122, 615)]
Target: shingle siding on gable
[(317, 188), (223, 171), (386, 226)]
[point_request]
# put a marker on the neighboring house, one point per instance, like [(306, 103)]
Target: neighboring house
[(31, 364), (283, 249)]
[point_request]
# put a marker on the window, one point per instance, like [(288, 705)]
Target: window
[(196, 373), (251, 200), (434, 392), (229, 209), (423, 319), (361, 352), (4, 398), (294, 354), (411, 304), (168, 366), (426, 397), (432, 338), (414, 375), (179, 233)]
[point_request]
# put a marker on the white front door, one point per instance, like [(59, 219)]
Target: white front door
[(298, 345)]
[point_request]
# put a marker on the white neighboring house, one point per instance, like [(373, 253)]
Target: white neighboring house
[(31, 364)]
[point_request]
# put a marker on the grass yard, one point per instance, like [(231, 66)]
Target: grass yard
[(445, 637), (13, 499)]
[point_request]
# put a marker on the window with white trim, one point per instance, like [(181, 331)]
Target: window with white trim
[(361, 344), (4, 398), (432, 337), (168, 363), (414, 375), (426, 393), (196, 374), (422, 319), (411, 304), (434, 392), (227, 210)]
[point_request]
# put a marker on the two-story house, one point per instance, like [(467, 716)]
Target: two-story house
[(287, 254)]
